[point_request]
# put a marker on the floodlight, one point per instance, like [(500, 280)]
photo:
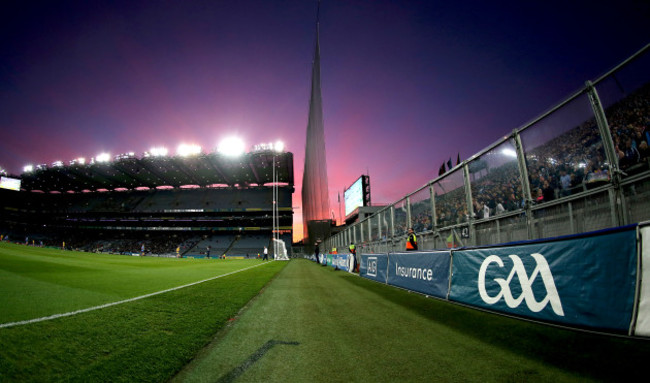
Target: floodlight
[(231, 146), (103, 157), (279, 146), (185, 150), (28, 168), (78, 161), (509, 152), (57, 164), (158, 151)]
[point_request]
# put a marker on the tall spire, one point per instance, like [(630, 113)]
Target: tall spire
[(315, 194)]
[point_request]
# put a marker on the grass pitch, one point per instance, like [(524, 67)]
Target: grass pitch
[(145, 340), (314, 324), (309, 324), (39, 282)]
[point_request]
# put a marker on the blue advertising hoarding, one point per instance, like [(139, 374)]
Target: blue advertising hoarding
[(373, 266), (424, 272), (585, 281), (340, 261)]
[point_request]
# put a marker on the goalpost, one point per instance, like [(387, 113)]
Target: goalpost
[(279, 247), (279, 250)]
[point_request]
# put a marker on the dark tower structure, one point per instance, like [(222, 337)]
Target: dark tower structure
[(315, 195)]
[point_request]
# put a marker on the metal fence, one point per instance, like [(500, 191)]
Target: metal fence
[(581, 166)]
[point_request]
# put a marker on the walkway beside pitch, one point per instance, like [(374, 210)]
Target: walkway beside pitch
[(313, 323)]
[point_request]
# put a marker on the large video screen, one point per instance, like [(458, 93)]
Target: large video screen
[(354, 196), (10, 183)]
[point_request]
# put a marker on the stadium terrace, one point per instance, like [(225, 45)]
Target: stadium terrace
[(128, 172), (199, 205)]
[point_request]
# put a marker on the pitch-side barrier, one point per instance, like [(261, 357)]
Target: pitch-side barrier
[(592, 281)]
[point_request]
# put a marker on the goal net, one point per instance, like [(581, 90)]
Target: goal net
[(279, 250)]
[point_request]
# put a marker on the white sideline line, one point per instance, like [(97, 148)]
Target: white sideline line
[(71, 313)]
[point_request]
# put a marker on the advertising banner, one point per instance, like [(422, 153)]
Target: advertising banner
[(642, 327), (339, 261), (427, 273), (583, 281), (373, 266)]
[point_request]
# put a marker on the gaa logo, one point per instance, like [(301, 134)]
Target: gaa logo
[(541, 270), (372, 266)]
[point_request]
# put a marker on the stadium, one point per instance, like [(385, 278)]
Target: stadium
[(525, 262), (189, 202)]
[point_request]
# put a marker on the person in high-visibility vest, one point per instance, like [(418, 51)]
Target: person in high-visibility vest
[(334, 250), (353, 251), (411, 241)]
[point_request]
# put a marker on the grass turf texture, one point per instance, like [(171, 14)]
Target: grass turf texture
[(146, 340), (349, 329), (39, 282)]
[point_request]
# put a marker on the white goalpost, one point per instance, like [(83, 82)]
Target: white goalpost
[(280, 250), (279, 247)]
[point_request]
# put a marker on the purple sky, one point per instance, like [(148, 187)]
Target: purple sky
[(406, 84)]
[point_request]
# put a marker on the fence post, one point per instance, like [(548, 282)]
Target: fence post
[(470, 205), (525, 185), (610, 151)]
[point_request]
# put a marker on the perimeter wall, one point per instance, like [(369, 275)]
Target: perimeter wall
[(591, 281)]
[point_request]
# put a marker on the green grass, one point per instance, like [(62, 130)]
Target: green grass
[(309, 324), (39, 282), (146, 340), (353, 330)]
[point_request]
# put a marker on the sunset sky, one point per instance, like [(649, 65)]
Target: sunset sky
[(406, 84)]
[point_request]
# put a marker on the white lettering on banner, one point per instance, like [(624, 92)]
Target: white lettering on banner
[(413, 272), (341, 263), (526, 282), (372, 266)]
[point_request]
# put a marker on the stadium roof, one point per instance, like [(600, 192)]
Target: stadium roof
[(130, 172)]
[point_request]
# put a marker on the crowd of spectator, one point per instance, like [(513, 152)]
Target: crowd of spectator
[(575, 161), (569, 163), (629, 121)]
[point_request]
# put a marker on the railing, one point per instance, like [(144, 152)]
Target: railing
[(581, 166)]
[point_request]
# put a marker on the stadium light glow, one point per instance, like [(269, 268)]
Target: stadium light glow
[(103, 157), (158, 151), (57, 164), (231, 146), (28, 168), (124, 156), (185, 150), (509, 152), (278, 146), (78, 161)]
